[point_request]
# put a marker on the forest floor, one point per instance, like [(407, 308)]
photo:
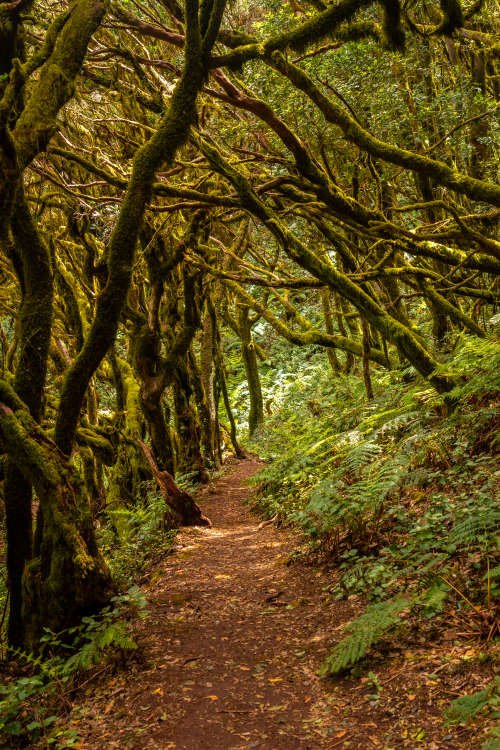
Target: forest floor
[(230, 652)]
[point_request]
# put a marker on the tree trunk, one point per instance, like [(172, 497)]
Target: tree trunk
[(189, 459), (157, 420), (35, 324), (67, 578), (206, 412), (327, 313), (184, 510), (249, 356)]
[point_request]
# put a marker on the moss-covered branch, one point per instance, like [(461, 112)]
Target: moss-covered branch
[(158, 188), (309, 337), (171, 134), (475, 189), (55, 85), (391, 329), (312, 30)]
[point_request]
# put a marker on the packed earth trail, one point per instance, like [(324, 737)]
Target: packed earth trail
[(230, 653)]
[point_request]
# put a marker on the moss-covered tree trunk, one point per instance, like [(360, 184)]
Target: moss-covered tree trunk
[(35, 325), (66, 578), (205, 414), (207, 370), (342, 309), (189, 457), (479, 132), (148, 366), (130, 470), (327, 313), (222, 382), (250, 362), (157, 416)]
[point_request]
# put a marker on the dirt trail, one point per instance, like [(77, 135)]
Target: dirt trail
[(231, 650)]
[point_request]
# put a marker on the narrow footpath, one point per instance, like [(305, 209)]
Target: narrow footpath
[(230, 653)]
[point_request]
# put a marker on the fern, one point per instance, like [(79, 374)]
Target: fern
[(479, 361), (493, 741), (478, 523), (107, 635), (465, 708), (377, 620), (361, 455), (25, 702), (433, 600)]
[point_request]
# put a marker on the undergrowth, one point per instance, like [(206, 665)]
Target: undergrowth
[(38, 688), (401, 496), (132, 538), (30, 704)]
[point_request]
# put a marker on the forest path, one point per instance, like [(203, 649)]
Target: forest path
[(230, 652), (231, 647)]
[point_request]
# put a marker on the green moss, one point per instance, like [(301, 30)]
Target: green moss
[(475, 189), (55, 85), (392, 330), (99, 444), (23, 450), (132, 394)]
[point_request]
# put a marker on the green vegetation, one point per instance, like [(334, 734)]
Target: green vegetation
[(28, 703), (402, 497), (363, 633), (466, 708), (133, 539), (399, 498), (276, 220)]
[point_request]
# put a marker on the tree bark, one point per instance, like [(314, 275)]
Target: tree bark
[(184, 510), (189, 458), (250, 362), (66, 555), (35, 326)]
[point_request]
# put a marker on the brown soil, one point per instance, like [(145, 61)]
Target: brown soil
[(230, 654)]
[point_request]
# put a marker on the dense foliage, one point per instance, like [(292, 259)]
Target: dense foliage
[(397, 497), (403, 497)]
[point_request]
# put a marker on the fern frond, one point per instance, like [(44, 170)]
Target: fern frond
[(377, 620), (493, 741), (478, 524), (361, 455), (465, 708)]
